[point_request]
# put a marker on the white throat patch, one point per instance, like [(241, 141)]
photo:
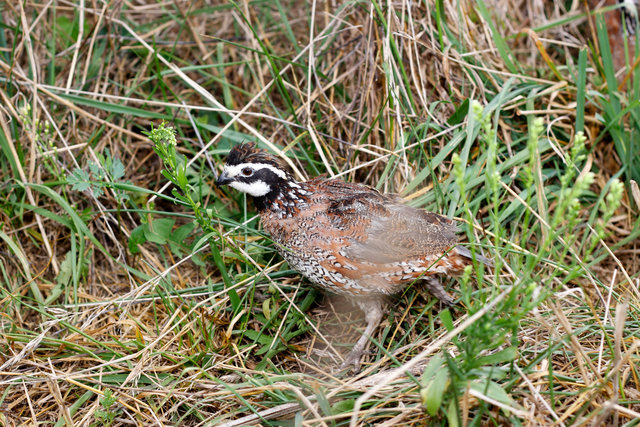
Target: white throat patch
[(255, 189)]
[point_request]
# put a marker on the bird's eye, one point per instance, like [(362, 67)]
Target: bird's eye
[(247, 171)]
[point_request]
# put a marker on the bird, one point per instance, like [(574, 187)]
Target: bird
[(348, 238), (629, 13)]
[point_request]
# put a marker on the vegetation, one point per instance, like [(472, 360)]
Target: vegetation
[(134, 291)]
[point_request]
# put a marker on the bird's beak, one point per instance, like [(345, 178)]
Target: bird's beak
[(223, 179)]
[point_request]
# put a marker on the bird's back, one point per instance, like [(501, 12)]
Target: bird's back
[(352, 239)]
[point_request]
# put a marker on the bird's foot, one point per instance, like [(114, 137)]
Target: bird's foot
[(352, 362), (437, 290)]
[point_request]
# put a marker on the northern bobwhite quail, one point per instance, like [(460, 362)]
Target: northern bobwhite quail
[(347, 238)]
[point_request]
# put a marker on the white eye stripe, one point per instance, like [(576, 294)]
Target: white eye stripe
[(235, 170)]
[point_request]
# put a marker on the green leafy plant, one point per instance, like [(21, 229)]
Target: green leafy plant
[(164, 144), (101, 175), (108, 411), (42, 133)]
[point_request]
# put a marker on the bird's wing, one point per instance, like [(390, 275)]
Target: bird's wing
[(382, 230)]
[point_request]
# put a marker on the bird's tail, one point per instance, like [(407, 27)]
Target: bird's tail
[(461, 250)]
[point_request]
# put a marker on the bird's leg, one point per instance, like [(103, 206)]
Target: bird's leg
[(373, 311), (437, 290)]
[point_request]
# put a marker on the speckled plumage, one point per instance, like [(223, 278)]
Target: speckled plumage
[(348, 238)]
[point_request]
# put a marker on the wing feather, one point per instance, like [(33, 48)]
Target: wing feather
[(382, 229)]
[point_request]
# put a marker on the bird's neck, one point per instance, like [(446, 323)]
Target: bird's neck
[(284, 199)]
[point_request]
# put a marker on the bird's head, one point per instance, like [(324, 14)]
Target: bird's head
[(254, 171)]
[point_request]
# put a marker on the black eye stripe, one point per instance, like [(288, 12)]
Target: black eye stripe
[(260, 174)]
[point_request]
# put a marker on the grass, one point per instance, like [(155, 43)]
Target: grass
[(134, 291)]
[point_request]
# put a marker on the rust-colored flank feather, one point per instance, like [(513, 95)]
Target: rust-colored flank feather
[(348, 238)]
